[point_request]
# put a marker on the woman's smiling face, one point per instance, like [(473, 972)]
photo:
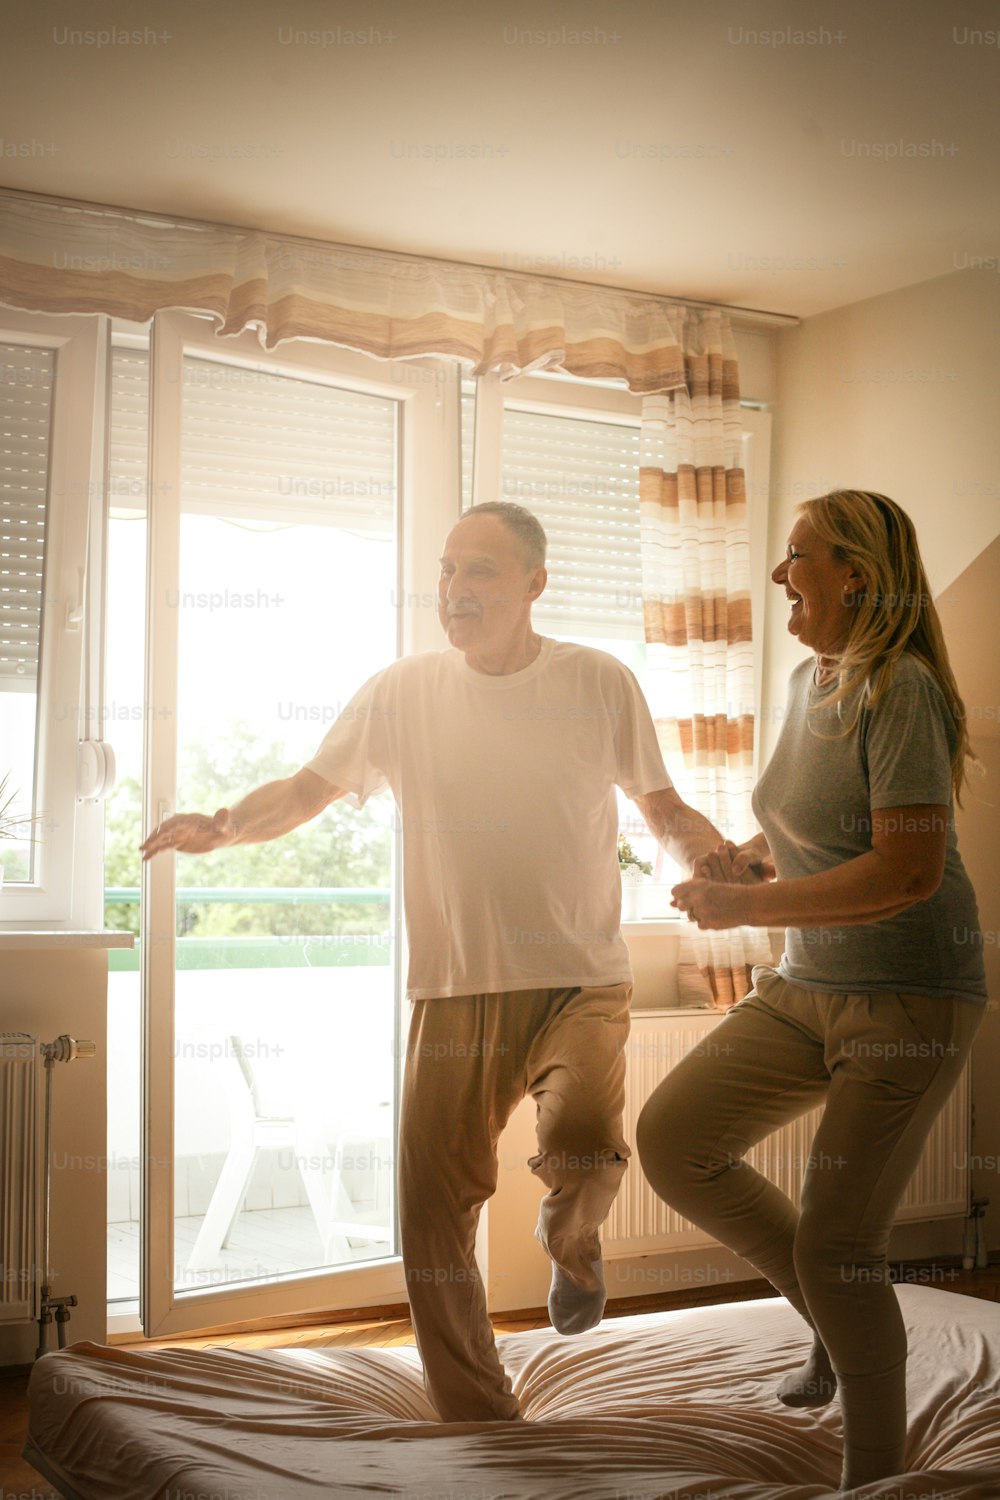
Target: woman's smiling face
[(822, 590)]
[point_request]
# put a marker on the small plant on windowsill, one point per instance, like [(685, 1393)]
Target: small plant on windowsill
[(629, 860), (13, 826), (633, 872)]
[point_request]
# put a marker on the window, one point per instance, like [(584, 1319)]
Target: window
[(580, 477), (51, 550), (296, 512), (27, 382), (569, 451), (238, 463)]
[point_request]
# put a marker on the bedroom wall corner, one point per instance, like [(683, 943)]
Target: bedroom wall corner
[(899, 394), (968, 609)]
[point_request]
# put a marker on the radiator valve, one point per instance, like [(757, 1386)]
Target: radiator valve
[(66, 1048)]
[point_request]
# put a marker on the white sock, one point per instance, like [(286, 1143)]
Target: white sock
[(572, 1308), (813, 1384)]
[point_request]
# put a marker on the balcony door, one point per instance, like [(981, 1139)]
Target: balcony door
[(295, 507)]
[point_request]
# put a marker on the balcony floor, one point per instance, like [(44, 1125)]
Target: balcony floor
[(264, 1243)]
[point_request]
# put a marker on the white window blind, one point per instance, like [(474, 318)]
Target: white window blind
[(26, 386), (258, 445), (468, 428), (580, 477), (128, 438)]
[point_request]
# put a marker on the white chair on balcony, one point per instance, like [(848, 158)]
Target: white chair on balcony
[(320, 1159)]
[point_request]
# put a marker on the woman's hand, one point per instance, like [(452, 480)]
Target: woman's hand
[(712, 903), (744, 864), (190, 833)]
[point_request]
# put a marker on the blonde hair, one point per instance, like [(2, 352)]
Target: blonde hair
[(894, 611)]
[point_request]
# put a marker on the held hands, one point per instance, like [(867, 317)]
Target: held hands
[(190, 833), (713, 898), (710, 903), (747, 864)]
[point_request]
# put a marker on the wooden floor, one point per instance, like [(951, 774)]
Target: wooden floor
[(19, 1481)]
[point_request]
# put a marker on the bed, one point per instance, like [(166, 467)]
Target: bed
[(664, 1406)]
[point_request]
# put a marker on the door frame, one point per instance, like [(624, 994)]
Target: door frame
[(429, 503)]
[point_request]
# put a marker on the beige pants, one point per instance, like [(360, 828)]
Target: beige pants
[(884, 1063), (470, 1060)]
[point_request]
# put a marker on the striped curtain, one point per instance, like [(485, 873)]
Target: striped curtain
[(696, 607)]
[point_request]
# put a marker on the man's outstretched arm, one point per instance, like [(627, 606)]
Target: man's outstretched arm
[(263, 814), (685, 833)]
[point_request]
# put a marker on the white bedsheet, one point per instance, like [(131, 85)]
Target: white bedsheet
[(676, 1406)]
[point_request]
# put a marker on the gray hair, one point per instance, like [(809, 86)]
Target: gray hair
[(526, 527)]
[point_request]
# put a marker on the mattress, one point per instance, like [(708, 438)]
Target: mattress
[(664, 1406)]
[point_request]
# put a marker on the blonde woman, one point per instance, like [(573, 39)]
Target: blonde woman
[(881, 988)]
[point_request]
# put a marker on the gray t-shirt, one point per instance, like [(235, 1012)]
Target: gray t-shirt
[(814, 803)]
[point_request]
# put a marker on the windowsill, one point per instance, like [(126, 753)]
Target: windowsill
[(61, 938), (673, 926), (652, 927)]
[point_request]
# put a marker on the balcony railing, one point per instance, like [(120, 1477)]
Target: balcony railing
[(282, 951)]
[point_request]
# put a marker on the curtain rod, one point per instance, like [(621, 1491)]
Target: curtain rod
[(749, 315)]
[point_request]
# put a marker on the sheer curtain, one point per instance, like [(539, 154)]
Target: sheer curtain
[(58, 257), (696, 606)]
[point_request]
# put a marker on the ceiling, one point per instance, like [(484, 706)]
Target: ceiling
[(772, 155)]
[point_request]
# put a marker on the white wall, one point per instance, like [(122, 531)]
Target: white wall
[(968, 613), (896, 394), (899, 394)]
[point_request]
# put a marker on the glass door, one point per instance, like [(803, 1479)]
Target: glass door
[(271, 994)]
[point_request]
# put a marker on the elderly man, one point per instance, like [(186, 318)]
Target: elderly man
[(502, 754)]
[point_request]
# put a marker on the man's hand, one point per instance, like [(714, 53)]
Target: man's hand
[(190, 833), (266, 813), (743, 864)]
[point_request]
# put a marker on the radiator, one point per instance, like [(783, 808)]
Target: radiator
[(640, 1221), (20, 1176)]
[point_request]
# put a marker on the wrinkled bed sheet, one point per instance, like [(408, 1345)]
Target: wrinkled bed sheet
[(666, 1406)]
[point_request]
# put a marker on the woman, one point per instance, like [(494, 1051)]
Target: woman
[(881, 988)]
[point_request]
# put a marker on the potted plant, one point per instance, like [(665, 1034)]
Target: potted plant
[(12, 825), (633, 871)]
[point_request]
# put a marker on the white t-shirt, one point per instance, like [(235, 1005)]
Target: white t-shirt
[(505, 788)]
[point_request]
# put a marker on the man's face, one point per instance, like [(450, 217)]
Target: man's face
[(485, 588)]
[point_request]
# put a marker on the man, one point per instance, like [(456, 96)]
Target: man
[(503, 754)]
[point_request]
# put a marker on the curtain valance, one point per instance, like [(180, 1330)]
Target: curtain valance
[(58, 257)]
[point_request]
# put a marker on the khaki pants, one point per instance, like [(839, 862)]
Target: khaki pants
[(470, 1060), (884, 1063)]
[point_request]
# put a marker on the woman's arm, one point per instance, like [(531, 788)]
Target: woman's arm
[(903, 866)]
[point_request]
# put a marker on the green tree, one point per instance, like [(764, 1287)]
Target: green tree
[(343, 847)]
